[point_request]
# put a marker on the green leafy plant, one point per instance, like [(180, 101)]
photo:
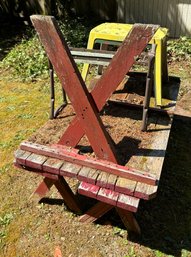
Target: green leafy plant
[(28, 61), (179, 49), (4, 222), (6, 219)]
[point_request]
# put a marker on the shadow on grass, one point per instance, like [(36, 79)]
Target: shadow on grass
[(166, 220)]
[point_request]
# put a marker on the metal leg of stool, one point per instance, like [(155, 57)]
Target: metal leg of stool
[(54, 114), (62, 106), (148, 90), (52, 91)]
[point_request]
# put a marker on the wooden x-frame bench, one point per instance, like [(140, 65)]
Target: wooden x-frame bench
[(102, 178)]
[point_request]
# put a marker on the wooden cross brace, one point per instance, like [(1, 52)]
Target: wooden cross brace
[(87, 105)]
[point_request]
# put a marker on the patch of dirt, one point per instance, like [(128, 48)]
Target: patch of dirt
[(122, 124)]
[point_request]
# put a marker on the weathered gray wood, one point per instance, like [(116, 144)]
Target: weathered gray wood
[(21, 156), (92, 176), (83, 173), (35, 161), (145, 192), (52, 165), (128, 202), (111, 180), (172, 14), (125, 186), (153, 157), (70, 169), (107, 196), (102, 179)]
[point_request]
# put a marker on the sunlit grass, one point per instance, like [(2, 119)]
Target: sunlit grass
[(23, 109)]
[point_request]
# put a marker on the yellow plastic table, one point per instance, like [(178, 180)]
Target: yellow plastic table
[(115, 33)]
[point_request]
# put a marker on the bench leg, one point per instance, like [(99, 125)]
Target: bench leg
[(129, 220), (67, 194), (96, 212), (101, 208), (44, 187), (63, 188)]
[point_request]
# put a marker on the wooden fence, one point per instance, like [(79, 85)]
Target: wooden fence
[(173, 14)]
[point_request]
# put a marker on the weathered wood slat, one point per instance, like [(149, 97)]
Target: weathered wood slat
[(153, 160), (106, 180), (128, 202), (119, 96), (145, 192), (70, 169), (92, 176), (21, 156), (91, 56), (125, 186), (35, 161), (88, 190), (108, 196), (82, 175), (111, 181), (78, 159), (52, 165), (102, 179), (39, 171)]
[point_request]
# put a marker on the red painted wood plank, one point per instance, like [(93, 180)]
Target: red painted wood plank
[(72, 82), (106, 166), (133, 45), (128, 202), (108, 196), (88, 190)]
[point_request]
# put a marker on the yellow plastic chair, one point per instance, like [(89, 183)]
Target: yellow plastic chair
[(115, 33)]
